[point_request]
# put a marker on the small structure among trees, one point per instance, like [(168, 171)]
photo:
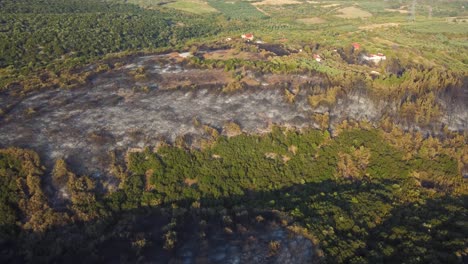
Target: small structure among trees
[(376, 58), (317, 57), (248, 36), (356, 46)]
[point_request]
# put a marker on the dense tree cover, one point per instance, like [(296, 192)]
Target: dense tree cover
[(40, 33), (62, 6), (358, 195)]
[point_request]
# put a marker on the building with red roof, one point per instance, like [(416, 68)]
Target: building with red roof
[(356, 46), (248, 36)]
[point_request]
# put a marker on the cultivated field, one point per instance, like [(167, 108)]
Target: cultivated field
[(192, 6), (439, 27), (277, 2)]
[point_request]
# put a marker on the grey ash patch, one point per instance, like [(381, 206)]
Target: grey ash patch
[(84, 124)]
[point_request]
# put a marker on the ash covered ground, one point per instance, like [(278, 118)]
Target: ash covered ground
[(118, 112)]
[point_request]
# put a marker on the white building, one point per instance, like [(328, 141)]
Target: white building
[(376, 58)]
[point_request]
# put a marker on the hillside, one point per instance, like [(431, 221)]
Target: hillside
[(265, 131)]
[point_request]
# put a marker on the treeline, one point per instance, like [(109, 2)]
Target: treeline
[(365, 196), (63, 6)]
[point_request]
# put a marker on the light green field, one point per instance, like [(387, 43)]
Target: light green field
[(439, 27), (147, 3), (192, 6)]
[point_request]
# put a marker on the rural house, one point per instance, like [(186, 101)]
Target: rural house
[(248, 36), (356, 46), (376, 58), (317, 57)]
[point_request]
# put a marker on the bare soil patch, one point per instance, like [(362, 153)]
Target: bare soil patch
[(374, 26), (312, 20), (401, 11), (353, 12)]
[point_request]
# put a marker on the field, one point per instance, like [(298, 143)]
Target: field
[(237, 9), (439, 27), (330, 5), (312, 20), (277, 2), (353, 12), (150, 4), (374, 26), (192, 6), (401, 11)]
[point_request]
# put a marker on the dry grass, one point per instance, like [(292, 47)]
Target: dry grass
[(190, 182), (385, 42), (353, 12), (232, 53), (250, 81), (232, 129), (330, 5), (277, 2), (292, 149), (374, 26), (401, 11), (312, 20)]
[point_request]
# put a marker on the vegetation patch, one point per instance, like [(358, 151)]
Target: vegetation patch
[(192, 6), (239, 10), (438, 27)]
